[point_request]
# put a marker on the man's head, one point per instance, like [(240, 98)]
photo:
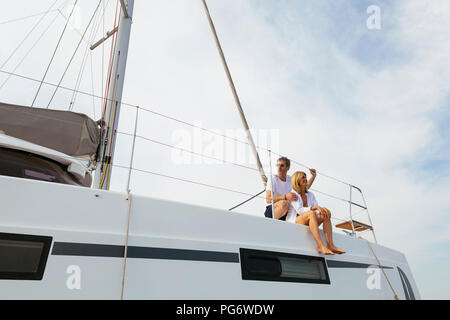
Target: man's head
[(283, 164)]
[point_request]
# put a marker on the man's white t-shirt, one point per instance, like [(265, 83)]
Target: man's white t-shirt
[(280, 187)]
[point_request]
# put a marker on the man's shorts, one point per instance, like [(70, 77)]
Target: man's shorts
[(268, 213)]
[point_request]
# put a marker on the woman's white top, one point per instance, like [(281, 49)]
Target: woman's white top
[(296, 207)]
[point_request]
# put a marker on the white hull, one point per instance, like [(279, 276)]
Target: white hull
[(176, 251)]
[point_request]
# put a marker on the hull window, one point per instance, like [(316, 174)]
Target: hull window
[(23, 257), (283, 267)]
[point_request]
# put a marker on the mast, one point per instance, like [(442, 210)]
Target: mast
[(113, 103)]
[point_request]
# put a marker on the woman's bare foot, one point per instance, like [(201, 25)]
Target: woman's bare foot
[(324, 250), (336, 250)]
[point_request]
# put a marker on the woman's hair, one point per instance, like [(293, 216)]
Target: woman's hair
[(295, 181)]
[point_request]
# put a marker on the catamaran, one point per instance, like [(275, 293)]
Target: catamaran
[(65, 235)]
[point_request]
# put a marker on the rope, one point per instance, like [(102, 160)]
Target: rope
[(54, 53), (124, 269), (381, 267), (242, 203)]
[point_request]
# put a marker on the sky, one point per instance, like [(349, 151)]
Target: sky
[(366, 106)]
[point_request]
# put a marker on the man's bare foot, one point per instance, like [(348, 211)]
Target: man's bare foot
[(336, 250), (324, 250)]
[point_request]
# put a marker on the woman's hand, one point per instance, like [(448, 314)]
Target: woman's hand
[(321, 210), (326, 213)]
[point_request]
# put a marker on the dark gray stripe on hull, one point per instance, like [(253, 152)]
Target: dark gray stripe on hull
[(352, 265), (111, 251), (87, 250), (180, 254)]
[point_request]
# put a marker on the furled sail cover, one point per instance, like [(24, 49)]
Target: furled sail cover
[(71, 133)]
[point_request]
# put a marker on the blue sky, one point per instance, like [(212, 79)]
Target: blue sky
[(367, 106)]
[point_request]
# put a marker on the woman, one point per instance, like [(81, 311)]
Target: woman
[(306, 211)]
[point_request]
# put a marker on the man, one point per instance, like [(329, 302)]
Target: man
[(282, 190)]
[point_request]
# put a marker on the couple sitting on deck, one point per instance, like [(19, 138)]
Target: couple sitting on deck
[(294, 203)]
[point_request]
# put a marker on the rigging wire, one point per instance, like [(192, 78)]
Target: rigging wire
[(73, 56), (27, 17), (94, 31), (189, 151), (54, 53), (186, 180), (248, 200), (28, 35), (83, 64), (29, 51), (102, 21), (61, 87)]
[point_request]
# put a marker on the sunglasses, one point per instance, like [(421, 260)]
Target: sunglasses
[(281, 165)]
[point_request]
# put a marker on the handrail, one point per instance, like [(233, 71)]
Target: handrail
[(364, 207)]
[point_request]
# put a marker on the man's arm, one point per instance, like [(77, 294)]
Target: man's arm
[(275, 199), (313, 177), (290, 196)]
